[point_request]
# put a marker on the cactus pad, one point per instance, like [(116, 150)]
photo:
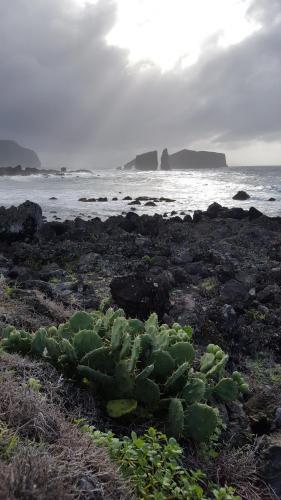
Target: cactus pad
[(194, 391), (182, 352), (147, 392), (118, 407), (81, 321), (86, 341), (200, 422), (163, 363), (176, 418)]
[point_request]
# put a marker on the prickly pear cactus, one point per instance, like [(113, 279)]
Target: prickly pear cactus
[(38, 342), (163, 363), (175, 418), (194, 391), (182, 352), (226, 389), (86, 341), (81, 321), (136, 367), (147, 392), (119, 407), (200, 422)]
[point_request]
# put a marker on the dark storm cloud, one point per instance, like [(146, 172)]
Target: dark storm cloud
[(65, 92)]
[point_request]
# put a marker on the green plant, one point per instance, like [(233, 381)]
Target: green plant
[(153, 464), (34, 384), (8, 442), (138, 367), (255, 315)]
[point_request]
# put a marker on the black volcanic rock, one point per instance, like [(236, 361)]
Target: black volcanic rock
[(12, 154), (140, 296), (165, 160), (20, 222), (147, 161), (186, 158), (241, 195)]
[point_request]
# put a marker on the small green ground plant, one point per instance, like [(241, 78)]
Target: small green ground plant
[(138, 368), (153, 464)]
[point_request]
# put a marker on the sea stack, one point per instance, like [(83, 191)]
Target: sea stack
[(165, 160)]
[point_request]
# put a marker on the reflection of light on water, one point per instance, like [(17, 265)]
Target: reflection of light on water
[(191, 190)]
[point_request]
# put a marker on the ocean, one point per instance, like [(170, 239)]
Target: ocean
[(190, 189)]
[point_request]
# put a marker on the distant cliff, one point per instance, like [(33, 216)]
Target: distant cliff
[(186, 158), (145, 161), (12, 154)]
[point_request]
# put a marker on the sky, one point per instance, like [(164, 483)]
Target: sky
[(93, 83)]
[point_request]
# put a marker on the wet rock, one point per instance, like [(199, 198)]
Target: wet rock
[(20, 222), (140, 296), (166, 200), (150, 204), (135, 202), (127, 198), (271, 199), (241, 195)]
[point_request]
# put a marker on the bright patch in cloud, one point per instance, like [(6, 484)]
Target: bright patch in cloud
[(176, 32)]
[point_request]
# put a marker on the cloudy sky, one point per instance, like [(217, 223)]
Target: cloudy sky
[(93, 83)]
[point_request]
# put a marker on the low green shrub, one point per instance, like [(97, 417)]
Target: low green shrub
[(154, 465), (138, 367)]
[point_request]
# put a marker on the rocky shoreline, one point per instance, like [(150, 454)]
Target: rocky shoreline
[(219, 271), (216, 270)]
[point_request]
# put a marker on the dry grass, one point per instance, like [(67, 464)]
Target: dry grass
[(235, 467), (55, 461)]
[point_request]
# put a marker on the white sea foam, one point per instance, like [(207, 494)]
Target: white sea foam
[(192, 190)]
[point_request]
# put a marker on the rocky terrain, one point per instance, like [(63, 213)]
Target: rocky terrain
[(219, 271)]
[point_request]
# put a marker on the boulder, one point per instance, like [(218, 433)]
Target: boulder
[(12, 154), (140, 296), (20, 222), (241, 195), (234, 292), (254, 213)]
